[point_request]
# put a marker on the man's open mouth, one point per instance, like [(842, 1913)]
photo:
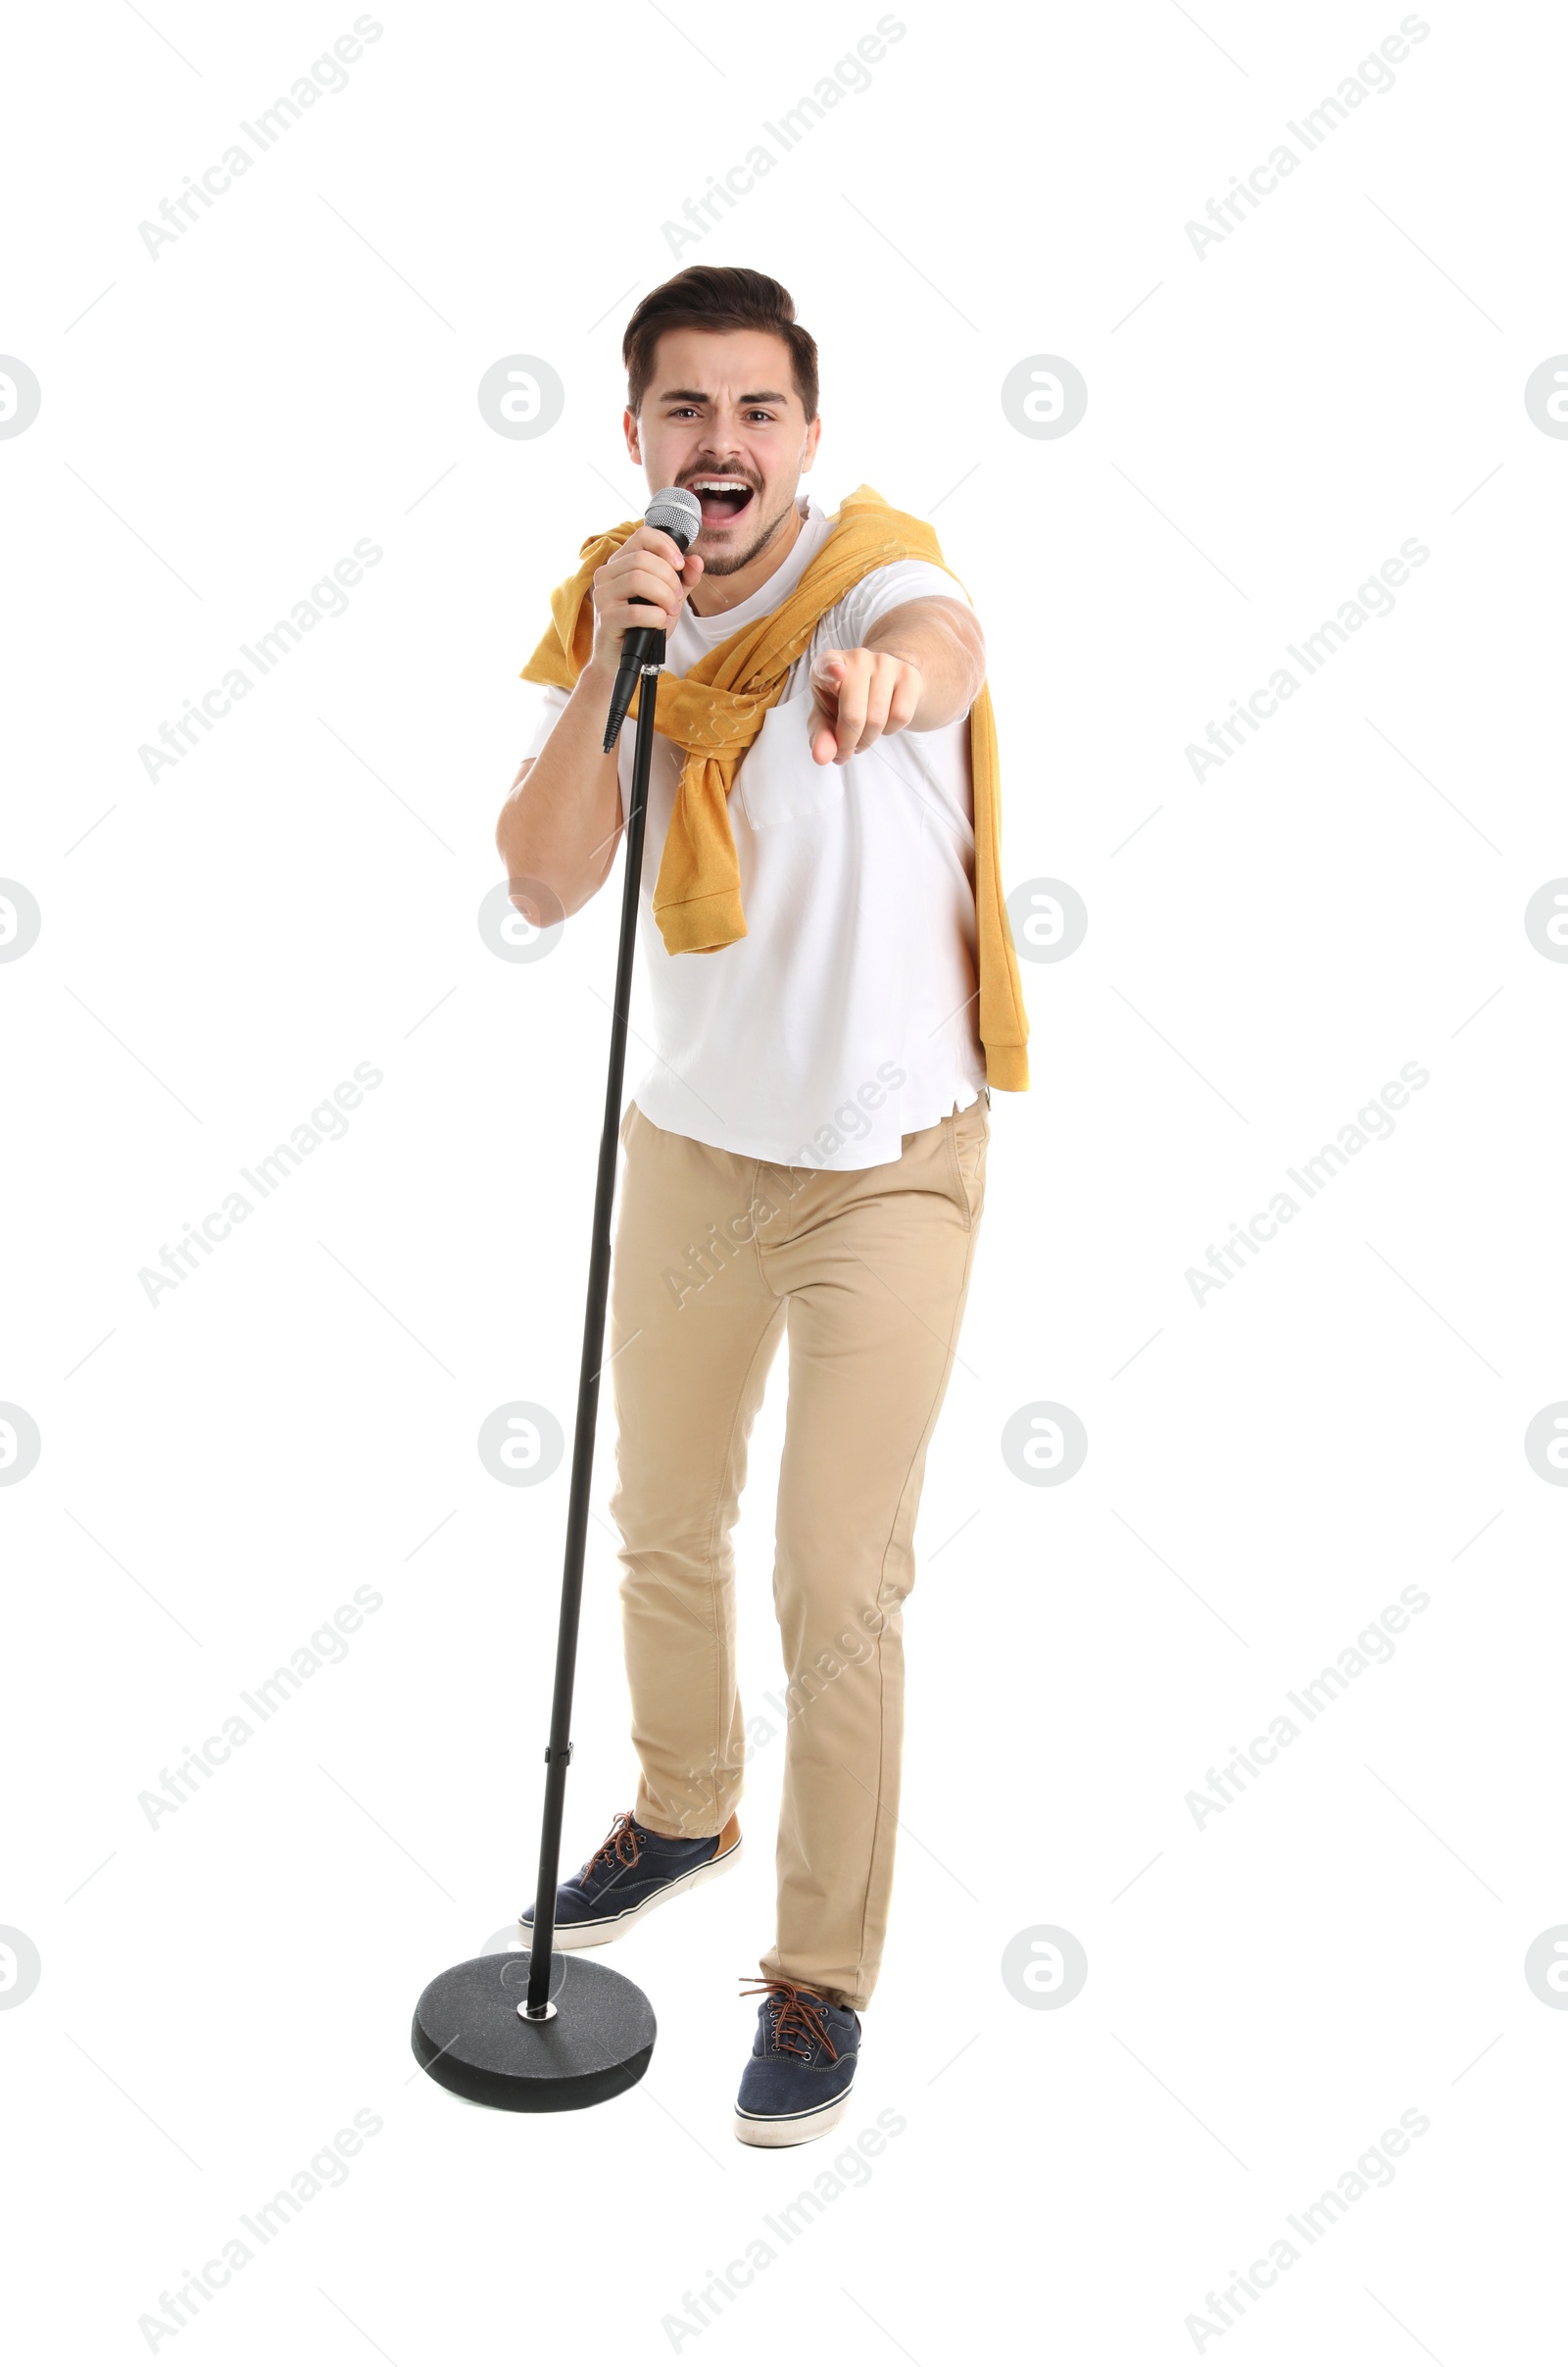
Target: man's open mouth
[(724, 498)]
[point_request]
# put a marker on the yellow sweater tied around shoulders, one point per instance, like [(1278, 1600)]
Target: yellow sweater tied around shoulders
[(714, 712)]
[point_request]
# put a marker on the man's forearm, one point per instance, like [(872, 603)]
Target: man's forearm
[(562, 820), (943, 639)]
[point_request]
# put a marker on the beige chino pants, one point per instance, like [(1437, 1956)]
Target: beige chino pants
[(716, 1258)]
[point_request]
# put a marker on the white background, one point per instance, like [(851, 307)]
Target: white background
[(220, 946)]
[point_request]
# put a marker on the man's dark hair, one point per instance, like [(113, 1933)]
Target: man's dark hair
[(715, 297)]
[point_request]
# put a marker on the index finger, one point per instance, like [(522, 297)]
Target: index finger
[(654, 538)]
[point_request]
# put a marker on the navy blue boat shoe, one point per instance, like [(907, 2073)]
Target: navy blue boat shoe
[(631, 1872), (798, 2082)]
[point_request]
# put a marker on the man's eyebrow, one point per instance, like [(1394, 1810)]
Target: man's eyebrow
[(692, 394)]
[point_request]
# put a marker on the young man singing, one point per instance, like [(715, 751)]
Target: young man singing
[(835, 991)]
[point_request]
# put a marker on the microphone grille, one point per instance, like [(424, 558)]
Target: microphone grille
[(676, 513)]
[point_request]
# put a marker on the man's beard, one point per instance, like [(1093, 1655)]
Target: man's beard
[(732, 563)]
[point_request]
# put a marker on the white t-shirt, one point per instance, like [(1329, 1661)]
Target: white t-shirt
[(847, 1017)]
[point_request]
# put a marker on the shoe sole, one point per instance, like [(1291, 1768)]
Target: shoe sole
[(609, 1927), (762, 2130)]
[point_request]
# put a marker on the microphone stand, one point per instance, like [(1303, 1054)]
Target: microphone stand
[(559, 1753), (594, 2036)]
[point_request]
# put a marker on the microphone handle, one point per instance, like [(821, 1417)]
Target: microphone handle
[(643, 645)]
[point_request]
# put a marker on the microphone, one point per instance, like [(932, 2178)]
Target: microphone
[(679, 514)]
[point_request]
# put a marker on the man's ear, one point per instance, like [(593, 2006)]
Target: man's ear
[(634, 440), (813, 436)]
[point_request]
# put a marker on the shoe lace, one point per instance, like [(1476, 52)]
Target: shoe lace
[(620, 1841), (798, 2015)]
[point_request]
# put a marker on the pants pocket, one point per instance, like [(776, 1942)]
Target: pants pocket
[(969, 1138)]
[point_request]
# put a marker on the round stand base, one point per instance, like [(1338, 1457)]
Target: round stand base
[(470, 2037)]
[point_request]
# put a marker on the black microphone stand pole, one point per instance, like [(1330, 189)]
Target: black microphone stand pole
[(559, 1753), (579, 2033)]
